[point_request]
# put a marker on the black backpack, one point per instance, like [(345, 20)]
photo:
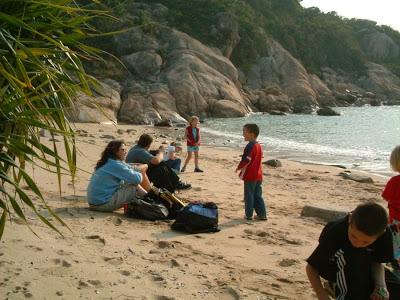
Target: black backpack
[(162, 176), (147, 208), (393, 284), (197, 218)]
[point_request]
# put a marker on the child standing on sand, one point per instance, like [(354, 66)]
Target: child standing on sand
[(192, 134), (391, 194), (251, 173)]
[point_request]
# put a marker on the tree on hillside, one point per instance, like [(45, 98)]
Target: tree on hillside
[(40, 72)]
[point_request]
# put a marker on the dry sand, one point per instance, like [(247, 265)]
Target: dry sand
[(107, 256)]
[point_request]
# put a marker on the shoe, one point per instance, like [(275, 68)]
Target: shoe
[(198, 170), (182, 170), (183, 186), (248, 218), (261, 218)]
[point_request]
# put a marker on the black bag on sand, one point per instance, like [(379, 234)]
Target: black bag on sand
[(148, 209), (393, 284), (172, 202), (163, 177), (197, 218)]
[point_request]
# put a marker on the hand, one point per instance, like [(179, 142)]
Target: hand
[(140, 167), (380, 293)]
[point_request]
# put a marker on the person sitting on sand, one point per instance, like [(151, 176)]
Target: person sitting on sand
[(114, 182), (170, 157), (140, 154), (350, 254)]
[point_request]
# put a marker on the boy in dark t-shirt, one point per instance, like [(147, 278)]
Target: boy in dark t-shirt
[(350, 255)]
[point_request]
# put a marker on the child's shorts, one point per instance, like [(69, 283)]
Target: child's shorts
[(192, 148)]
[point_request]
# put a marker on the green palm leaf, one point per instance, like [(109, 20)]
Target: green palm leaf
[(41, 44)]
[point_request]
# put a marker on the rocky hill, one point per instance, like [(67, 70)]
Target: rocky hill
[(228, 58)]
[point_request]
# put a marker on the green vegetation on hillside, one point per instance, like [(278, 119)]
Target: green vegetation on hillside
[(317, 39)]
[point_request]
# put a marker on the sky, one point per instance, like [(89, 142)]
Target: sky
[(384, 12)]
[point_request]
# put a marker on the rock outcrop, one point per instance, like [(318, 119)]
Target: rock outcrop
[(102, 106), (169, 75), (282, 72), (382, 82), (327, 111), (176, 77)]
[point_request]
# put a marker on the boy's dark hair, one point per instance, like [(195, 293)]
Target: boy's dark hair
[(252, 128), (145, 140), (370, 218)]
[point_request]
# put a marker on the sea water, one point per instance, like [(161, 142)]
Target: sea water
[(360, 138)]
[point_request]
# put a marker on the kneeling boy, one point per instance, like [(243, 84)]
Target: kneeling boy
[(350, 255)]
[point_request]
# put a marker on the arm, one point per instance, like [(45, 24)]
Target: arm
[(315, 281), (124, 172), (378, 275), (246, 157), (159, 157), (198, 137)]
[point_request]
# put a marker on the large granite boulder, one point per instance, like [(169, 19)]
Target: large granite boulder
[(268, 102), (281, 69), (227, 108), (193, 79), (144, 64), (133, 40), (101, 107), (148, 105), (327, 111), (197, 76), (381, 82)]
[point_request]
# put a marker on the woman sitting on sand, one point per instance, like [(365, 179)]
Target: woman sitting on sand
[(114, 182)]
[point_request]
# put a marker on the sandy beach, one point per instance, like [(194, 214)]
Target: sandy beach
[(108, 256)]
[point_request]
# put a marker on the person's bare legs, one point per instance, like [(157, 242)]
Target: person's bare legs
[(145, 184), (140, 190), (196, 159), (188, 157), (196, 162)]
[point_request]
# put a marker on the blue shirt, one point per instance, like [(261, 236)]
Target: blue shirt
[(138, 154), (106, 180)]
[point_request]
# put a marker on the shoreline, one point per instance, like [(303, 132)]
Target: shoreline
[(303, 157), (282, 156)]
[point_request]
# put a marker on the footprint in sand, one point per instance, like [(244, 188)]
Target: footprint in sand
[(288, 262), (96, 283), (115, 261), (34, 247), (62, 252), (96, 237), (125, 273), (63, 262)]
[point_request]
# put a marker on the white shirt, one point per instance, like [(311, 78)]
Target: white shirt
[(170, 149)]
